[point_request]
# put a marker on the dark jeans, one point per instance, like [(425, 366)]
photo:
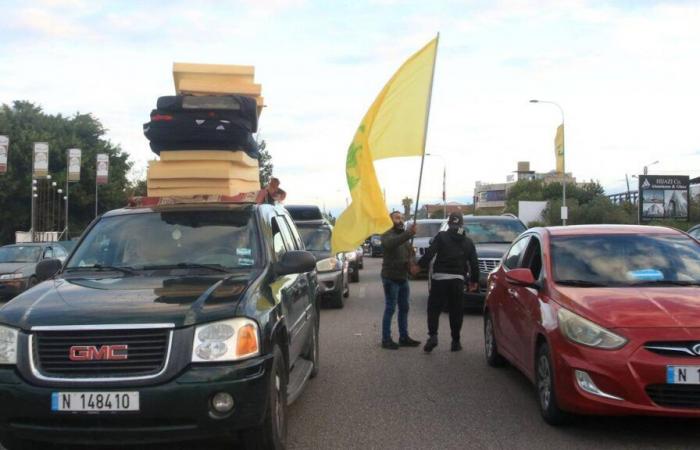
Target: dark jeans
[(395, 292), (450, 291)]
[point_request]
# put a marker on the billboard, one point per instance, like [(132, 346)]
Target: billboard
[(102, 168), (41, 159), (4, 146), (664, 197), (74, 164)]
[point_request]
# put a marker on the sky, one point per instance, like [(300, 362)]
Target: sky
[(626, 74)]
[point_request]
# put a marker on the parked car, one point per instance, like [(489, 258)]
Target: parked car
[(492, 236), (602, 319), (695, 232), (355, 264), (18, 265), (426, 230), (334, 271), (375, 246), (166, 323)]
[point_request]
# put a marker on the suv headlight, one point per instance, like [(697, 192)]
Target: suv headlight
[(329, 265), (228, 340), (8, 345), (585, 332), (351, 256), (11, 276)]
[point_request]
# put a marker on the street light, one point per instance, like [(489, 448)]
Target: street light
[(564, 210), (444, 183), (646, 168)]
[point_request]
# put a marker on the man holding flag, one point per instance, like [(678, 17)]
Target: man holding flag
[(394, 126)]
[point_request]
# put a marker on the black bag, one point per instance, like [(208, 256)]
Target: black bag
[(238, 107)]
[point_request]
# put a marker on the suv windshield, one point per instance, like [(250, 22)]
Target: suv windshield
[(188, 239), (625, 260), (20, 254), (493, 231), (316, 239), (427, 229)]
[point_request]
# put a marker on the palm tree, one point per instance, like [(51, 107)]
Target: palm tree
[(407, 202)]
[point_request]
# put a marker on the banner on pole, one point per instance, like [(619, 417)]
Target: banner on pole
[(559, 149), (4, 147), (41, 159), (74, 155), (102, 168)]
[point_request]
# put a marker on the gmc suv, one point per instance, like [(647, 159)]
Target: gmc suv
[(166, 323)]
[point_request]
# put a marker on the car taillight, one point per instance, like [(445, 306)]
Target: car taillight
[(161, 117)]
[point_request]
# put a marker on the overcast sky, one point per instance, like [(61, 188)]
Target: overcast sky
[(625, 72)]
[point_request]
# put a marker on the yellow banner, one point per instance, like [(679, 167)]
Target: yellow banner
[(394, 126), (559, 149)]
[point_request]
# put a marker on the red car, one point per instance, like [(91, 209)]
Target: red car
[(602, 319)]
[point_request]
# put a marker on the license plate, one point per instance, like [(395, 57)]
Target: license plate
[(94, 401), (683, 374)]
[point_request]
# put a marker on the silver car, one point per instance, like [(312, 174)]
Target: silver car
[(18, 265)]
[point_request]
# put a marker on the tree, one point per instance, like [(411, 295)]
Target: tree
[(25, 123), (407, 202), (265, 164)]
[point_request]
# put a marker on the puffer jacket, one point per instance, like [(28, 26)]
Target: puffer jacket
[(398, 254)]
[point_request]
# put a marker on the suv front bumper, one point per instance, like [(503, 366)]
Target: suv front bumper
[(177, 410)]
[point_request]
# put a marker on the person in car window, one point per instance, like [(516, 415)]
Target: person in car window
[(398, 256), (455, 259)]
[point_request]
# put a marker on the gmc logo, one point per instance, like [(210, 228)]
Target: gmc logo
[(92, 353)]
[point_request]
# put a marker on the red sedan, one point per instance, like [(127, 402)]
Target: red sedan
[(602, 319)]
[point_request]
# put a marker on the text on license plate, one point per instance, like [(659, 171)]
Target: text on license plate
[(95, 401), (683, 374)]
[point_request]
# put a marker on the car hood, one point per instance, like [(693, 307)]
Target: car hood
[(12, 267), (182, 301), (493, 251), (657, 307)]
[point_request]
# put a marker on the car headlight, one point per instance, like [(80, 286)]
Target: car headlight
[(329, 265), (228, 340), (351, 256), (8, 345), (376, 242), (587, 333), (11, 276)]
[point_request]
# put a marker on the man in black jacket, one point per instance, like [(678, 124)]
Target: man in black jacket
[(455, 259)]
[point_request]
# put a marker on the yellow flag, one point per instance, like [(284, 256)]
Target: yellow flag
[(559, 149), (394, 125)]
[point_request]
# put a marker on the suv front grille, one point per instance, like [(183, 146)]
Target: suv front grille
[(675, 395), (146, 353), (486, 265)]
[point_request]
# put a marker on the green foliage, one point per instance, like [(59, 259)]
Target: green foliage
[(407, 202), (536, 223), (438, 214), (265, 164), (25, 123)]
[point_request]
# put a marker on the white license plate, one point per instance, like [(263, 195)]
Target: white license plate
[(683, 374), (94, 401)]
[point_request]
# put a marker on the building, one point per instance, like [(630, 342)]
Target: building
[(436, 211)]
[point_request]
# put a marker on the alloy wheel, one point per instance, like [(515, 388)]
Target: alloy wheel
[(544, 381)]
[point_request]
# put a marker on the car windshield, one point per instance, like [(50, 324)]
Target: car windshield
[(625, 260), (316, 239), (695, 233), (187, 239), (493, 231), (20, 254), (427, 229)]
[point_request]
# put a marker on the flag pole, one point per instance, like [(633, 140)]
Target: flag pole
[(425, 131)]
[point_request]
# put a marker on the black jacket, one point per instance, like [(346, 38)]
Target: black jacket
[(398, 252), (455, 254)]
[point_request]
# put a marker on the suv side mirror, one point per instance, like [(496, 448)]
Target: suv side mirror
[(47, 269), (520, 277), (295, 261)]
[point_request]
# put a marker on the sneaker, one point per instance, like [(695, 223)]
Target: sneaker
[(390, 345), (456, 346), (408, 342), (430, 344)]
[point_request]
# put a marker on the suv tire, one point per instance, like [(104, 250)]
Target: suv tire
[(355, 275), (312, 349), (272, 434), (336, 299)]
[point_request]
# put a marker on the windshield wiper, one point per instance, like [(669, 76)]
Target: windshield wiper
[(100, 268), (667, 283), (580, 283), (186, 265)]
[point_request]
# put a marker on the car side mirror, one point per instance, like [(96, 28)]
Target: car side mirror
[(295, 261), (521, 277), (47, 269)]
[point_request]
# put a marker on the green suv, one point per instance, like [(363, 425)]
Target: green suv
[(166, 323)]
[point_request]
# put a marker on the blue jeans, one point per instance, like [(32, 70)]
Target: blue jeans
[(395, 292)]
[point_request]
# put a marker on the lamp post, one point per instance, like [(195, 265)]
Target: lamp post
[(31, 219), (564, 210), (646, 168), (58, 209), (444, 183)]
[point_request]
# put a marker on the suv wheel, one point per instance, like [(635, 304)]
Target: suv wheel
[(336, 299), (355, 275), (493, 358), (546, 392), (312, 350), (272, 434)]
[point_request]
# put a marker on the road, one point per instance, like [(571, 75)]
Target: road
[(369, 398)]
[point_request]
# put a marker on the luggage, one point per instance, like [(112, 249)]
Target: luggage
[(163, 170), (231, 107), (236, 157)]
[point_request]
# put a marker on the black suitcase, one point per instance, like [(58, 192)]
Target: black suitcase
[(240, 107)]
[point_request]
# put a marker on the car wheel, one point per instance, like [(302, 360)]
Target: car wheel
[(346, 292), (272, 434), (312, 350), (493, 358), (336, 299), (362, 264), (355, 275), (546, 392)]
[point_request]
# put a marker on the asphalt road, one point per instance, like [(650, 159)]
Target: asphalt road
[(369, 398)]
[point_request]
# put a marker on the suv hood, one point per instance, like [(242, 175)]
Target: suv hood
[(491, 251), (181, 300), (647, 307)]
